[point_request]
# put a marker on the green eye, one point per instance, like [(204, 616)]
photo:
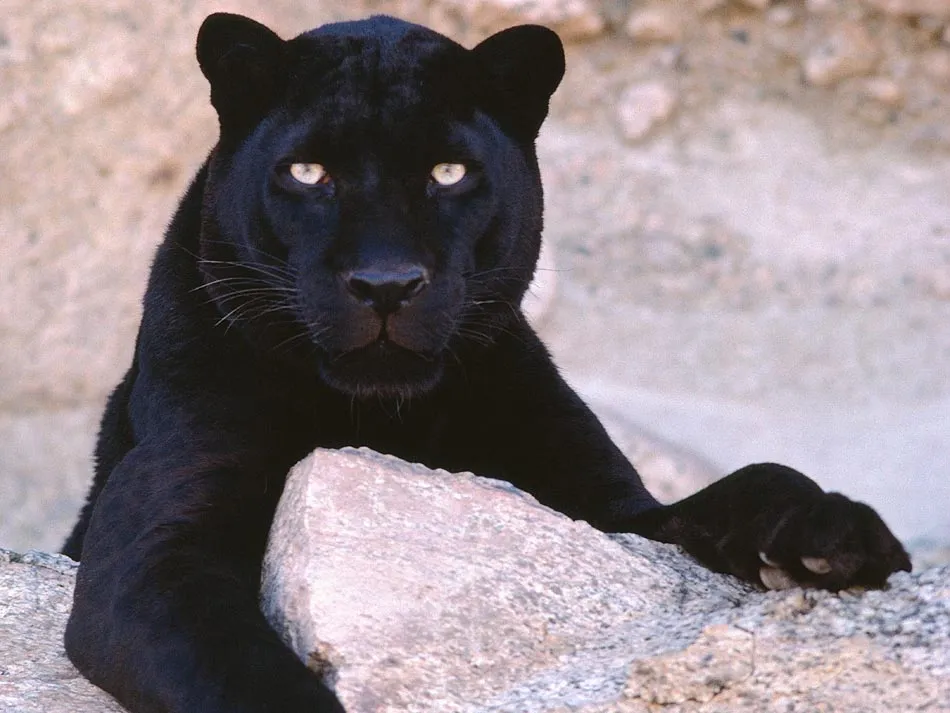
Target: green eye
[(310, 174), (448, 174)]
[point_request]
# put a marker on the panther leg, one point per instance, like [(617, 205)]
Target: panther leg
[(771, 525)]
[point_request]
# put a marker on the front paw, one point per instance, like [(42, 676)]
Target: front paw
[(827, 542), (773, 526)]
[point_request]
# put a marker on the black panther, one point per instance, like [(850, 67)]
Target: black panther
[(347, 269)]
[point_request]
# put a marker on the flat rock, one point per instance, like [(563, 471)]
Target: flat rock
[(416, 590)]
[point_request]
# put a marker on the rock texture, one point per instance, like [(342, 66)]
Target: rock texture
[(36, 595), (418, 591)]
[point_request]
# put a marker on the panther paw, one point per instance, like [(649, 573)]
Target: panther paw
[(831, 543)]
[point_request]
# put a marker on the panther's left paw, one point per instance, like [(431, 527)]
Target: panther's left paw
[(832, 543)]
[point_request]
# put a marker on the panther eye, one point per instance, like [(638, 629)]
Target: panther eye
[(448, 174), (310, 174)]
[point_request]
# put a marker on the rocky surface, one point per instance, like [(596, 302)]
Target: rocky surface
[(769, 256), (36, 595), (415, 590)]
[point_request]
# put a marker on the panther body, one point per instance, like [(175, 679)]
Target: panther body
[(347, 268)]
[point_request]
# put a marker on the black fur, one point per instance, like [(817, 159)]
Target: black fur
[(378, 308)]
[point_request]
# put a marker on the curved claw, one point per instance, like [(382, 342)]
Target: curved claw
[(818, 565), (775, 578)]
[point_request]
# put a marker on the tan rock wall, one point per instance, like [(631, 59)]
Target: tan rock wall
[(104, 119)]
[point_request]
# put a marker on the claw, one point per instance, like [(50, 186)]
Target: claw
[(775, 578), (764, 558), (818, 565)]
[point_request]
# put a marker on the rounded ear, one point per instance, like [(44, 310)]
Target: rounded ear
[(522, 67), (242, 60)]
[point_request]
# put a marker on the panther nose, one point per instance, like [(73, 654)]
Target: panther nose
[(387, 289)]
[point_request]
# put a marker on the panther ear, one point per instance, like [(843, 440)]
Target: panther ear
[(242, 60), (523, 66)]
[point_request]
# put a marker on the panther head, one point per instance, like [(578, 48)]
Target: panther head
[(374, 201)]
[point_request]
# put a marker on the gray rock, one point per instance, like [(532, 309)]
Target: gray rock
[(36, 593), (416, 590)]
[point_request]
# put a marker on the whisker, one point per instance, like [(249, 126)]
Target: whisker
[(287, 342), (272, 271), (229, 317), (257, 250), (263, 291), (238, 279)]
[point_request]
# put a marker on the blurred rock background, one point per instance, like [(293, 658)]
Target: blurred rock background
[(748, 201)]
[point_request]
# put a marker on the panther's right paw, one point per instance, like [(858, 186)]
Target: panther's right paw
[(829, 542)]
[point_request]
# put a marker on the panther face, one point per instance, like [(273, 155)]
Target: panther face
[(374, 200)]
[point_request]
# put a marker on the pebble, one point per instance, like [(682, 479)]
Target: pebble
[(885, 91), (655, 24), (781, 15), (642, 107), (847, 52)]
